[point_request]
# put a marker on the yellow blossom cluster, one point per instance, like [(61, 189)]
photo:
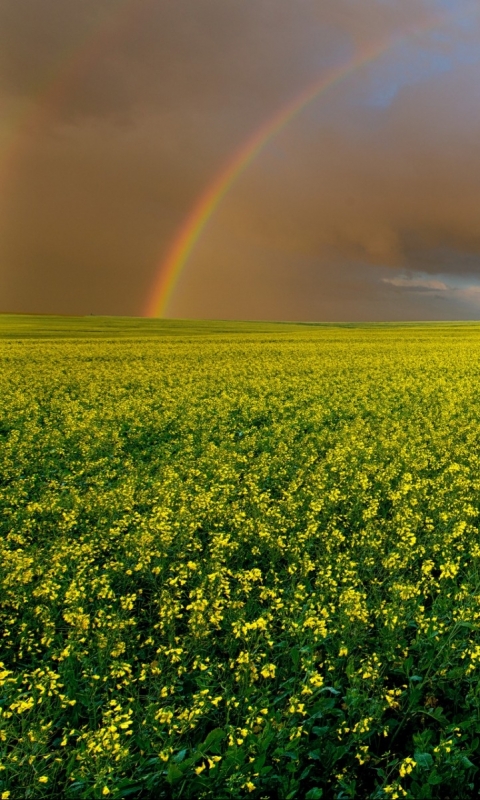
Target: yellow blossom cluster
[(240, 565)]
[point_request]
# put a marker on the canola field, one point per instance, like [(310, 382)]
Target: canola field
[(240, 561)]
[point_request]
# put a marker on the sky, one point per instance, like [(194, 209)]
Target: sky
[(117, 115)]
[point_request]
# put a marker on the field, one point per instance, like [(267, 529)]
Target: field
[(239, 560)]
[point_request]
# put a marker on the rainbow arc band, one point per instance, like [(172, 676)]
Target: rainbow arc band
[(172, 266)]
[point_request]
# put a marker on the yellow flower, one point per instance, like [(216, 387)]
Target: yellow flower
[(105, 790), (43, 779), (268, 671), (407, 766)]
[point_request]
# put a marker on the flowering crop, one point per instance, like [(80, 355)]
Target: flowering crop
[(241, 565)]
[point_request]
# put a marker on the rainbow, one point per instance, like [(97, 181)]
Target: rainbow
[(172, 266)]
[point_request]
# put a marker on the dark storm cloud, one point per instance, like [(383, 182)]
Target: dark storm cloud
[(161, 56), (397, 187), (146, 111)]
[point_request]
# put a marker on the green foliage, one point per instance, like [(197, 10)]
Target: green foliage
[(241, 565)]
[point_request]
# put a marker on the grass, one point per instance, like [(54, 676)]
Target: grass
[(239, 559), (24, 326)]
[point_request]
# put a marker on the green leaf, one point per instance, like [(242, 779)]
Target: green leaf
[(338, 753), (425, 793), (350, 668), (213, 739), (259, 762), (306, 772), (424, 760), (265, 742), (292, 755), (434, 778), (180, 756), (467, 763), (174, 773), (314, 794), (132, 789)]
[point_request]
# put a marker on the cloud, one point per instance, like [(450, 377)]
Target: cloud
[(461, 293), (417, 283)]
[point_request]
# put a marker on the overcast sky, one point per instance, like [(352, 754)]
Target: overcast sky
[(117, 114)]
